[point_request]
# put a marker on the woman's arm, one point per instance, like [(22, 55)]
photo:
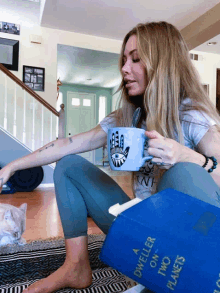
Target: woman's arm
[(209, 145), (55, 150)]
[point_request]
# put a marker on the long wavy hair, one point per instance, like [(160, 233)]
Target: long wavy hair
[(171, 78)]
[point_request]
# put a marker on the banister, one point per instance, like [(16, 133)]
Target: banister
[(30, 91), (61, 125)]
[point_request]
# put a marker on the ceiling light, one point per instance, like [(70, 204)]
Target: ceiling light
[(211, 43), (34, 1)]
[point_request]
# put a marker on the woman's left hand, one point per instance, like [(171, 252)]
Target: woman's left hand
[(165, 151)]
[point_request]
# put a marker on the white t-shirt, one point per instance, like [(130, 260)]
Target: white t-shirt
[(194, 126)]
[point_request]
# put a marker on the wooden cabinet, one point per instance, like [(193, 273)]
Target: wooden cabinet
[(218, 82)]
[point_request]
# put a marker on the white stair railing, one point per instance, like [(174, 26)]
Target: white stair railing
[(27, 116)]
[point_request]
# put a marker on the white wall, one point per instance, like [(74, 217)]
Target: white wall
[(45, 55), (207, 69)]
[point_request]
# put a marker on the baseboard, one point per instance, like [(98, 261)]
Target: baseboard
[(46, 185)]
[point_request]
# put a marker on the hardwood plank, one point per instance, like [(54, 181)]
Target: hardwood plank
[(43, 220)]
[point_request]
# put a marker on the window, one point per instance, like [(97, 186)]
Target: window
[(86, 102), (102, 108), (75, 102)]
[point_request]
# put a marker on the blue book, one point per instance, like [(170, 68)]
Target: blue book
[(169, 242)]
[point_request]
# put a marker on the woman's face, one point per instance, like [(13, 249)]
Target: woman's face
[(133, 70)]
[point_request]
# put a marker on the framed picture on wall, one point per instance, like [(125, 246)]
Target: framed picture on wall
[(9, 28), (9, 53), (34, 77)]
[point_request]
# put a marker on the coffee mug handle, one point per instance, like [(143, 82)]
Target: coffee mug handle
[(144, 159), (147, 158)]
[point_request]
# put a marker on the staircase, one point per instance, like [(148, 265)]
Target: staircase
[(27, 122)]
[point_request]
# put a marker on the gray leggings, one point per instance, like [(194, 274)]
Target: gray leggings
[(81, 187)]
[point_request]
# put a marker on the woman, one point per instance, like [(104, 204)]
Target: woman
[(158, 76)]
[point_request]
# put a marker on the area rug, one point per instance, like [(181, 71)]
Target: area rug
[(21, 266)]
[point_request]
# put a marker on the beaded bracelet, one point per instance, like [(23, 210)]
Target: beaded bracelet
[(215, 163), (206, 161)]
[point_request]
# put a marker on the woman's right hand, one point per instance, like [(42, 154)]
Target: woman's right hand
[(5, 174)]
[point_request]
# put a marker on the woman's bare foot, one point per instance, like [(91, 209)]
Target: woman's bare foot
[(73, 275)]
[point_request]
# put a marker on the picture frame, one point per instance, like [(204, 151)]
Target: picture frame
[(34, 77), (9, 53), (9, 28)]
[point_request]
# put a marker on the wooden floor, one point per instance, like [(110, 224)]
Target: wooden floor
[(43, 219)]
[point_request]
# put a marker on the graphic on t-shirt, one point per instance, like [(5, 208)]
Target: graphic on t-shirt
[(146, 176), (118, 155)]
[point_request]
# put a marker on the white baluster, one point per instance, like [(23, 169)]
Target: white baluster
[(57, 125), (42, 126), (51, 126), (33, 130), (6, 104), (24, 118), (15, 113)]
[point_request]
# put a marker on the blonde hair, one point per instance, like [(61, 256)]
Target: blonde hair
[(171, 78)]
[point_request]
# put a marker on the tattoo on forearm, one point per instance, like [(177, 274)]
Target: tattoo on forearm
[(52, 145), (70, 139)]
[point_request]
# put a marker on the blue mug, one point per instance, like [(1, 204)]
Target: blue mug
[(126, 148)]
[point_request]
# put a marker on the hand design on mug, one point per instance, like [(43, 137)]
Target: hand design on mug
[(118, 155)]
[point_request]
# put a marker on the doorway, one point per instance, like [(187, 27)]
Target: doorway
[(81, 117)]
